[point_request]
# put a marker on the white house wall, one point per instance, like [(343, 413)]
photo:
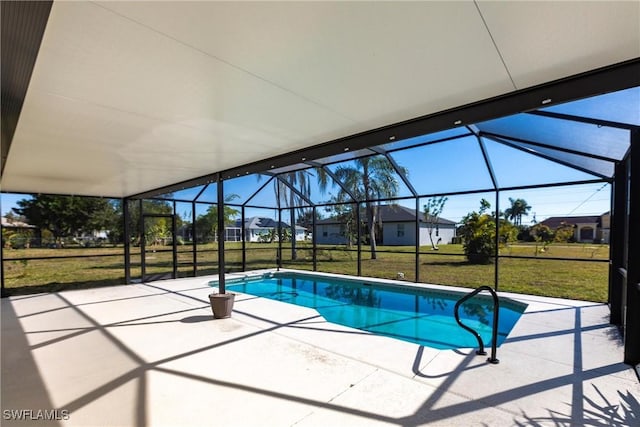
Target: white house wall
[(446, 233), (605, 227), (390, 234), (578, 232), (329, 234), (301, 235)]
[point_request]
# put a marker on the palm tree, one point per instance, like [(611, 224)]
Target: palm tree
[(519, 208), (369, 179), (300, 180)]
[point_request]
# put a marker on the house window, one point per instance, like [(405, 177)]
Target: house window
[(437, 230), (325, 233), (400, 230)]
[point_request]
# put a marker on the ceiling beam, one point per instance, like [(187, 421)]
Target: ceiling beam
[(587, 120), (612, 78), (546, 157), (506, 136), (616, 77)]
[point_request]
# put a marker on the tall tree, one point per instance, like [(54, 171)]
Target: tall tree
[(67, 216), (345, 214), (207, 224), (305, 218), (369, 179), (301, 181), (518, 209), (432, 210), (484, 205)]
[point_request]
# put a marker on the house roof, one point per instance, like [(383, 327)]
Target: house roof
[(393, 213), (6, 223), (556, 221), (259, 222)]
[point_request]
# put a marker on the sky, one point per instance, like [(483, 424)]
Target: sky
[(589, 199), (9, 201)]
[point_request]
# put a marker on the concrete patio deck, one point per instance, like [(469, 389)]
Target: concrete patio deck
[(152, 355)]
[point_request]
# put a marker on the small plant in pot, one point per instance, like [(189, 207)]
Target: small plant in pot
[(221, 302)]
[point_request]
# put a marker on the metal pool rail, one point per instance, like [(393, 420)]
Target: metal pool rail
[(494, 334)]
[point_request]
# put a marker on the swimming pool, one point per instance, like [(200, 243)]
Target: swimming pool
[(417, 314)]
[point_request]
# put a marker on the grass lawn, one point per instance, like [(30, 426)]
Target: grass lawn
[(568, 279)]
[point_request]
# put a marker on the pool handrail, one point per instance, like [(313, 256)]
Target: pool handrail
[(494, 334)]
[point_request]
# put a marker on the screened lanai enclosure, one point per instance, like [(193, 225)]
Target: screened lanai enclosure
[(428, 200), (359, 208)]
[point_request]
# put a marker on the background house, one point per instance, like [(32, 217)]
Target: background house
[(18, 234), (605, 228), (398, 228), (586, 229), (15, 224), (257, 228)]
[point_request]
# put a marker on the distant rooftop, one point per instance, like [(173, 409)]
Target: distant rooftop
[(12, 223), (394, 213), (556, 221)]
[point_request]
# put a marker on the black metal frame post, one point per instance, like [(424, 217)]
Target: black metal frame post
[(126, 240), (174, 241), (632, 323), (143, 266), (417, 279), (617, 267), (314, 242), (496, 270), (244, 242), (279, 254), (359, 234), (279, 250), (194, 239), (292, 226), (221, 265), (494, 181)]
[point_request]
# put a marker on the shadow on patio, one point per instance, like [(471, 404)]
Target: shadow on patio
[(152, 355)]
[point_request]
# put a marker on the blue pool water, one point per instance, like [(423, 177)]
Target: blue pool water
[(419, 315)]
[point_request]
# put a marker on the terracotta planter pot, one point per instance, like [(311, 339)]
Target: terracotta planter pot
[(222, 305)]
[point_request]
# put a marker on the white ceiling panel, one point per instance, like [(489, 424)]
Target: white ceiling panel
[(544, 41), (93, 55), (374, 62), (126, 97), (147, 97)]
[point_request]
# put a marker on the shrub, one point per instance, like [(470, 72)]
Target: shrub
[(478, 234), (542, 233), (564, 233)]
